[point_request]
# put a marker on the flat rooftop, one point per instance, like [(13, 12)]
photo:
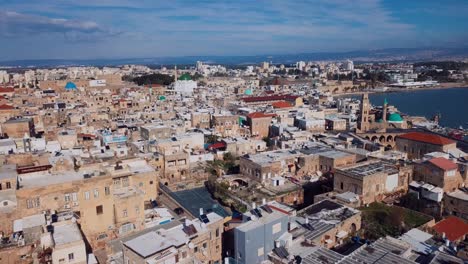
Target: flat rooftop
[(66, 233), (8, 171), (370, 168), (194, 199), (273, 156)]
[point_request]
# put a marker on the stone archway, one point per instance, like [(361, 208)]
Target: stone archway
[(382, 139), (374, 139), (389, 138)]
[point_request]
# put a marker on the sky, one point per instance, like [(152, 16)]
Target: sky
[(95, 29)]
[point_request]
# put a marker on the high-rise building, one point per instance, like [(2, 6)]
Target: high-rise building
[(348, 65)]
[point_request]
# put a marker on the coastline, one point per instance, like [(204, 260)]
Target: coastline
[(441, 86)]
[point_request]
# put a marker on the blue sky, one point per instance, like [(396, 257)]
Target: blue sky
[(48, 29)]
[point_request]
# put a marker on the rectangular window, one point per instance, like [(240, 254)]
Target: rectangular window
[(137, 209), (125, 213), (67, 197), (96, 193), (125, 181), (8, 185), (217, 232), (86, 195), (204, 245), (71, 257), (195, 249), (276, 228), (117, 182), (99, 210), (107, 190), (29, 204)]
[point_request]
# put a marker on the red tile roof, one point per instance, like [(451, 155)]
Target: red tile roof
[(7, 90), (443, 163), (427, 138), (259, 115), (217, 145), (6, 107), (281, 104), (269, 98), (453, 227)]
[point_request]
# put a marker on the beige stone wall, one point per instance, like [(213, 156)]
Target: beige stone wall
[(416, 150), (349, 225), (455, 206), (431, 174), (92, 193), (259, 127), (18, 130), (226, 125)]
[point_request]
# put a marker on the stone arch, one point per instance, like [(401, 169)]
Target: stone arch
[(374, 139), (382, 139), (239, 182), (389, 147), (353, 228), (367, 137)]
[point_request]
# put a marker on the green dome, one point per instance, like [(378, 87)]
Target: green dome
[(185, 77), (248, 92), (162, 98), (395, 117)]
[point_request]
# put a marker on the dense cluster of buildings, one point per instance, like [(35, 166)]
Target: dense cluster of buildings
[(227, 168)]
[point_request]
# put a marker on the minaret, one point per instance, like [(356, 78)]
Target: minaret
[(175, 73), (384, 114), (363, 122)]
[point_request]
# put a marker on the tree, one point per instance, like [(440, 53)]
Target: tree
[(155, 78)]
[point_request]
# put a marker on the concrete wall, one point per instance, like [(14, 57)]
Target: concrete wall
[(257, 240)]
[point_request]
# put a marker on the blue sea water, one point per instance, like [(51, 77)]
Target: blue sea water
[(451, 103)]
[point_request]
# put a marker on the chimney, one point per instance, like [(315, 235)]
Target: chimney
[(263, 201), (443, 235), (307, 220), (254, 205), (201, 211), (447, 243)]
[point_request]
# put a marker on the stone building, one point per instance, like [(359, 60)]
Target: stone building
[(193, 241), (373, 180), (456, 203), (201, 119), (18, 128), (109, 200), (225, 125), (440, 172), (259, 124), (417, 144)]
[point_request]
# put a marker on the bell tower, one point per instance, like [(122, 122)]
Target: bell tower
[(363, 122)]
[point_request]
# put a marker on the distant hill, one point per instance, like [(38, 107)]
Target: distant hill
[(382, 55)]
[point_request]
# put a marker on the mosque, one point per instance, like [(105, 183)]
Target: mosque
[(379, 120), (70, 86), (184, 84)]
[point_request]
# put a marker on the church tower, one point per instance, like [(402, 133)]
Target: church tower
[(363, 122)]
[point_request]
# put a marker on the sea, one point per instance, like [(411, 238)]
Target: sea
[(451, 103)]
